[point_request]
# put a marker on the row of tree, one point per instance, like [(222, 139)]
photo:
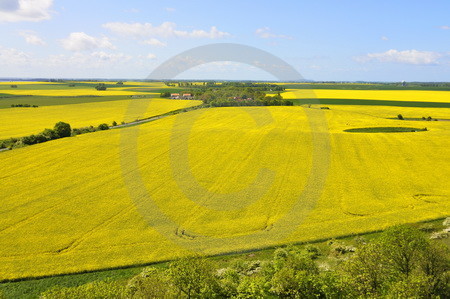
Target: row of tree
[(60, 130), (236, 94), (23, 105), (403, 263)]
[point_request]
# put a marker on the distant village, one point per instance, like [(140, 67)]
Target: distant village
[(184, 96)]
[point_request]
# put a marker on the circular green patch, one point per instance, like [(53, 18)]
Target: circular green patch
[(385, 130)]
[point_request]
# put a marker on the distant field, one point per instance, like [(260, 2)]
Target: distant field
[(370, 86), (80, 106), (80, 88), (6, 102), (84, 219), (378, 95), (18, 122)]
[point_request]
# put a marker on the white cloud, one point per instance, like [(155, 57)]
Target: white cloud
[(132, 10), (445, 27), (80, 41), (151, 56), (407, 57), (96, 59), (25, 10), (11, 56), (166, 29), (170, 9), (384, 38), (265, 32), (154, 42), (32, 39)]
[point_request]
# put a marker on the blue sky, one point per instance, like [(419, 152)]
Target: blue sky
[(323, 40)]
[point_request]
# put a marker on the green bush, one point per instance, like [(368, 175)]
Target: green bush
[(103, 127), (62, 129), (100, 86)]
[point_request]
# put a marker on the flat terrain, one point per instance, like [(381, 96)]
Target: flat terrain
[(217, 180), (80, 106)]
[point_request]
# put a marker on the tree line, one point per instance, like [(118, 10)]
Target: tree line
[(235, 94), (60, 130)]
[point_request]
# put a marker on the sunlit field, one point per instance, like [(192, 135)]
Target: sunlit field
[(218, 174)]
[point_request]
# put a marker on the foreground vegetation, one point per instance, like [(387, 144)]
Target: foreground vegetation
[(401, 262)]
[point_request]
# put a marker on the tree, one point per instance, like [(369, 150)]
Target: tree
[(114, 123), (365, 273), (400, 117), (62, 129), (103, 127), (100, 86), (49, 134), (402, 245), (165, 94), (193, 276)]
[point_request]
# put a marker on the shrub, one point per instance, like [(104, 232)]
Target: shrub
[(103, 127), (114, 123), (49, 134), (429, 118), (400, 117), (29, 140), (13, 86), (62, 129), (100, 86)]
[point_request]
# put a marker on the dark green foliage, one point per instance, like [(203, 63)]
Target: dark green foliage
[(103, 127), (165, 94), (114, 123), (100, 86), (384, 130), (400, 117), (120, 83), (13, 86), (429, 118), (62, 129), (49, 134), (23, 105)]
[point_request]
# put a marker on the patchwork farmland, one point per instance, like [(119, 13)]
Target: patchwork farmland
[(212, 180)]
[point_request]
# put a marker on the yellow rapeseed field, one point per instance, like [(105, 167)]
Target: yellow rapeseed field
[(19, 122), (386, 95), (216, 180), (62, 89)]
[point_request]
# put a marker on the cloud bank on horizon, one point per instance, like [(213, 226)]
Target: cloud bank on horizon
[(323, 41)]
